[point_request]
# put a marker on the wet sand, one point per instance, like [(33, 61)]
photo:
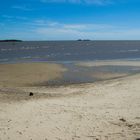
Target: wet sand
[(52, 74), (27, 74), (109, 63), (106, 110)]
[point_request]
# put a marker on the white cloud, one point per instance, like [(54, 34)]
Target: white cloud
[(7, 16), (41, 22), (14, 17), (50, 30), (22, 7), (54, 24), (96, 2), (69, 34), (86, 31)]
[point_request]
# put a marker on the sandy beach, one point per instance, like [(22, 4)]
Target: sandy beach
[(105, 110)]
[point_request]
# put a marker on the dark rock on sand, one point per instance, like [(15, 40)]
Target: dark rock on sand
[(31, 94), (123, 120)]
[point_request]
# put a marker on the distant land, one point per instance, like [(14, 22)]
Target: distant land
[(83, 40), (10, 40)]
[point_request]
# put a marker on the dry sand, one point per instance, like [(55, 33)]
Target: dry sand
[(108, 110)]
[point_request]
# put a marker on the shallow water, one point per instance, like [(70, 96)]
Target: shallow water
[(68, 53), (68, 50), (76, 74)]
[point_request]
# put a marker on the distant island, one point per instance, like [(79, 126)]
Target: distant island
[(83, 40), (10, 40)]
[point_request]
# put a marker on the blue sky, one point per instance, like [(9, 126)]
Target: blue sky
[(70, 19)]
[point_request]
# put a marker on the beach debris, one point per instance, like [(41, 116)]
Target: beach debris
[(31, 94), (130, 125), (123, 120)]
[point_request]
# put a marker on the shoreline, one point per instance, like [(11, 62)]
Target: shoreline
[(103, 110), (19, 94), (59, 74), (24, 82)]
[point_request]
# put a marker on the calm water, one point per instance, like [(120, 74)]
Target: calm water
[(69, 50)]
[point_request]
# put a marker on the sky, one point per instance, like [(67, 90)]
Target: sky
[(70, 19)]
